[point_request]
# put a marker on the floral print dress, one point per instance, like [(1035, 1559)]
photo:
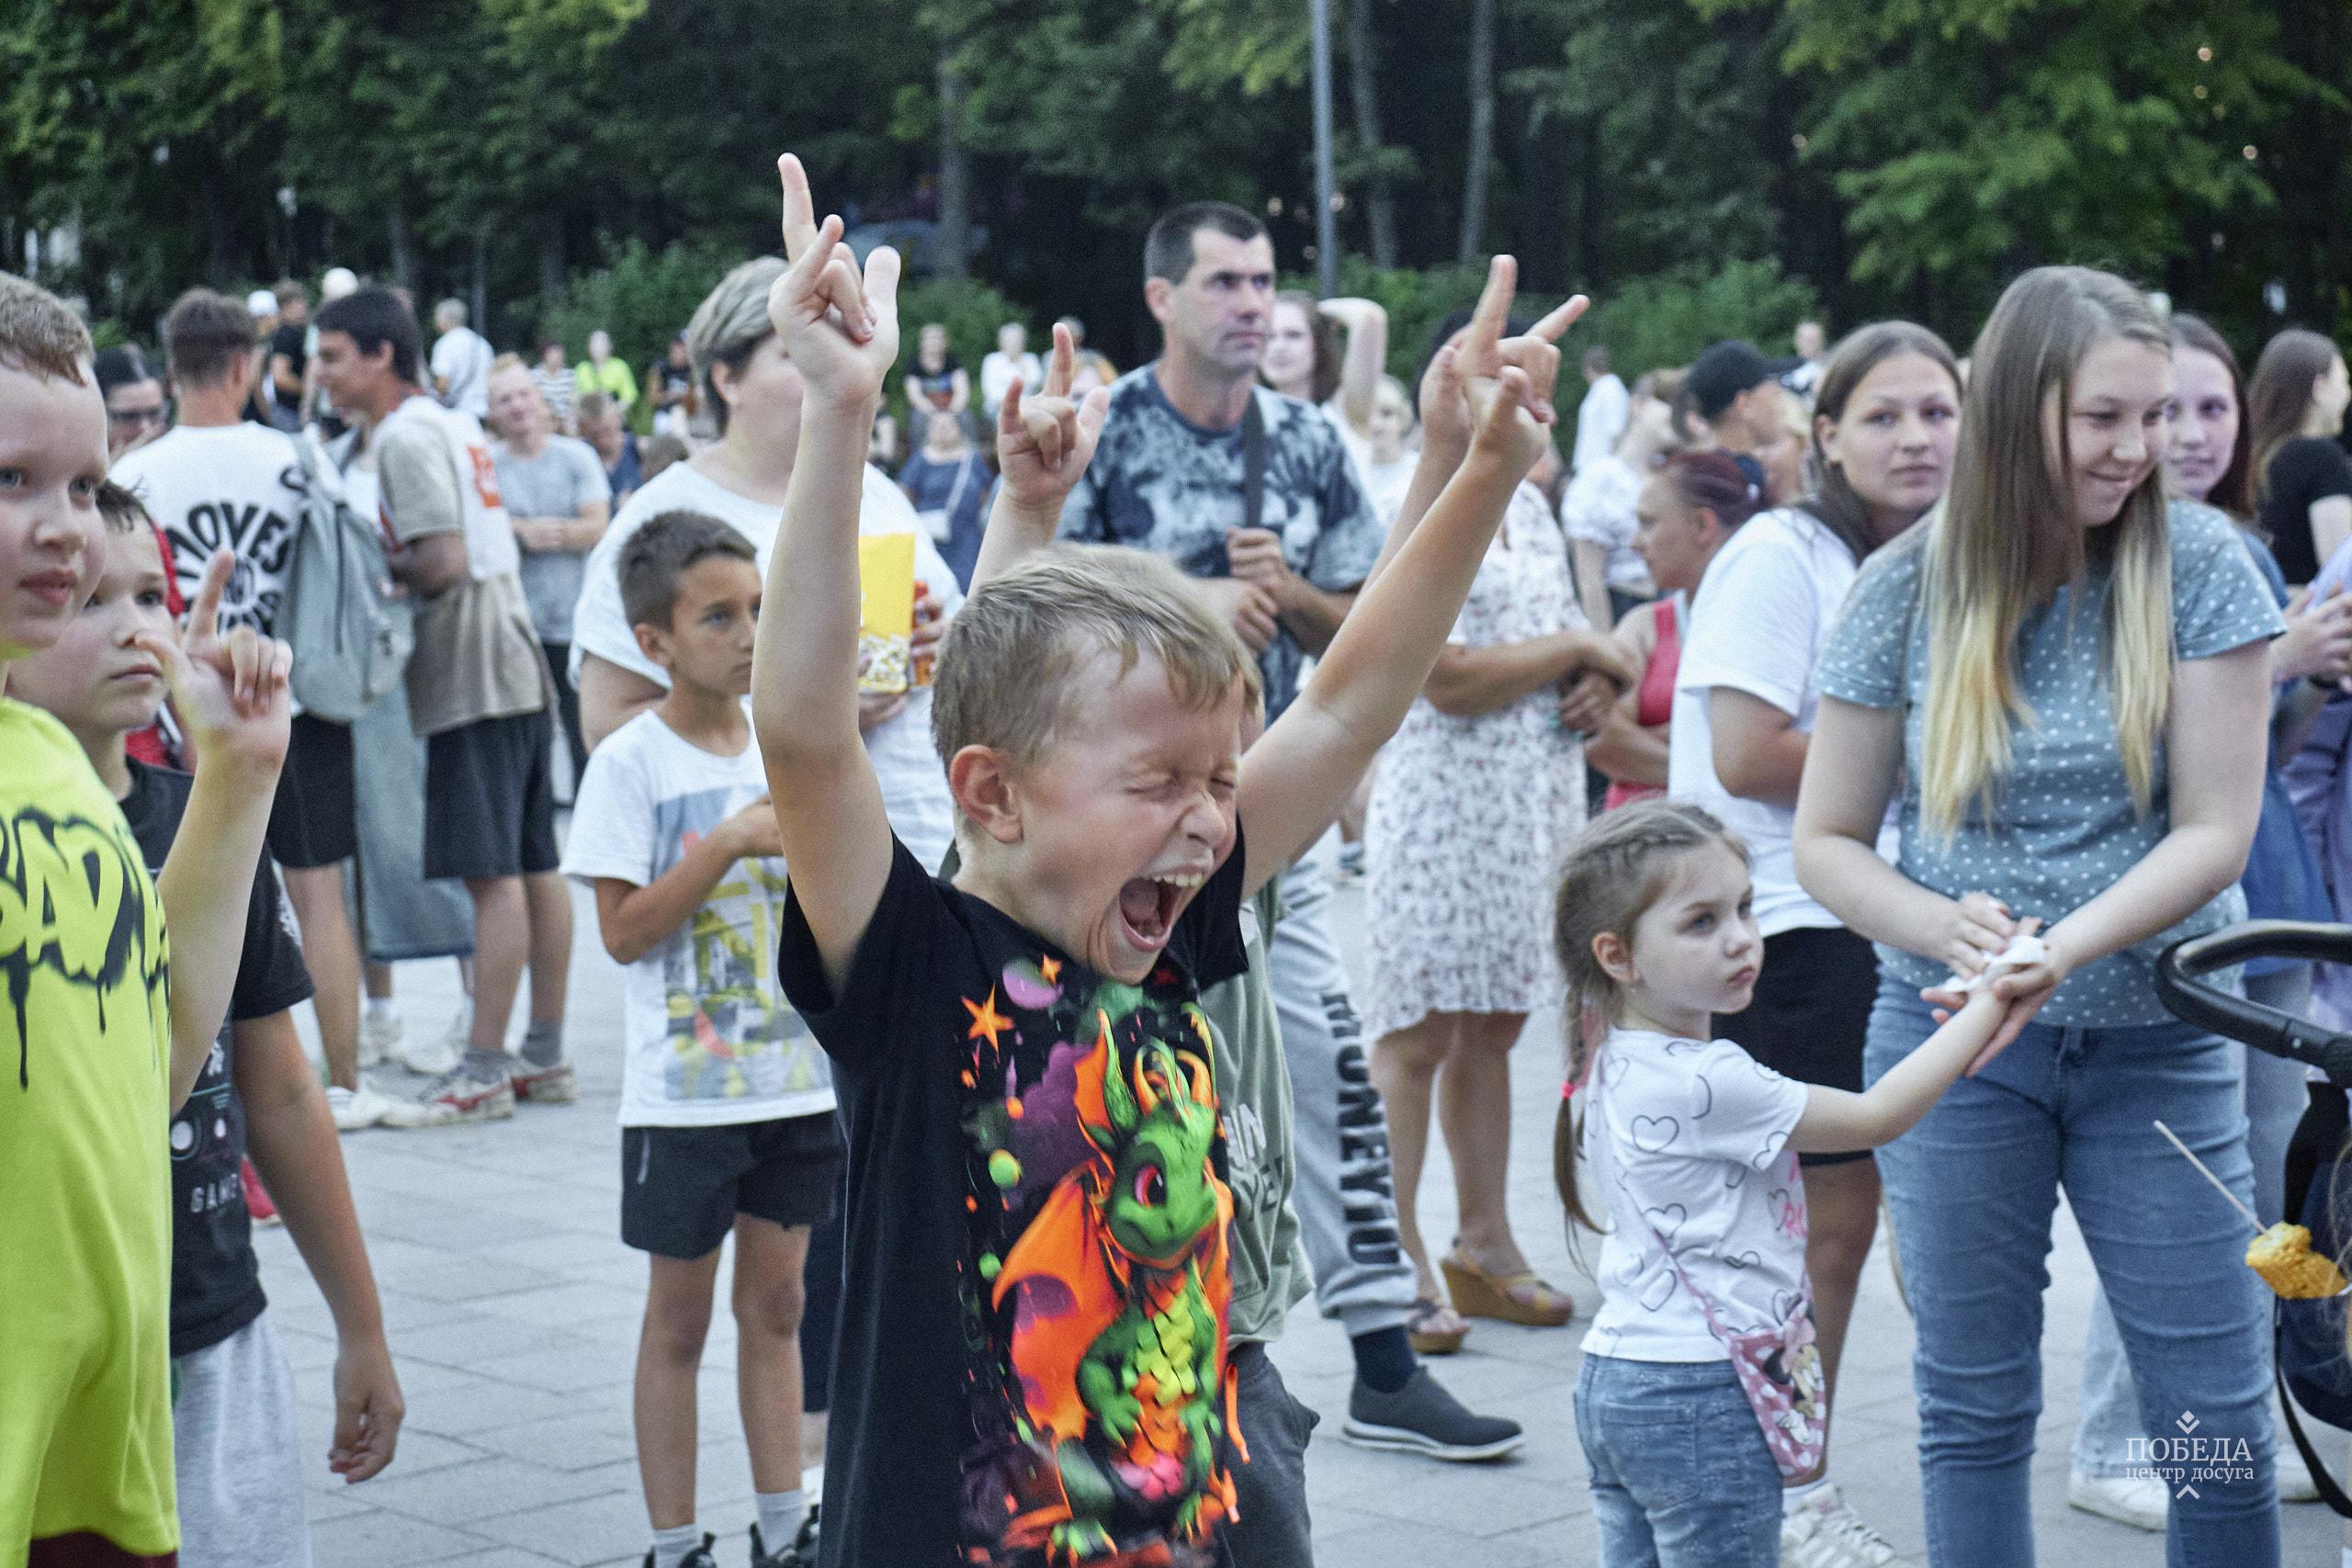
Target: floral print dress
[(1469, 816)]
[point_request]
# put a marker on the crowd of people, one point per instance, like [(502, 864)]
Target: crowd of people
[(1037, 1095)]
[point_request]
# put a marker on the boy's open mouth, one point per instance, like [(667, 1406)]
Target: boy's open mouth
[(1148, 906)]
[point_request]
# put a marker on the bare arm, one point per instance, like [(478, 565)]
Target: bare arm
[(1294, 779), (2331, 523), (1591, 561), (609, 697), (431, 566), (296, 1149), (1759, 750), (1628, 752), (1312, 614), (230, 695), (1366, 358), (1468, 681), (635, 919), (1836, 1121), (841, 331)]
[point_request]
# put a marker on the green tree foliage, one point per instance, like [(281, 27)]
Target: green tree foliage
[(1890, 156)]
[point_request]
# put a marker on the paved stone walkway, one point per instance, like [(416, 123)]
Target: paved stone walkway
[(512, 1310)]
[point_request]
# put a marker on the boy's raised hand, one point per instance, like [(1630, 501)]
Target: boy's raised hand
[(841, 327), (1507, 383), (1044, 443), (231, 691)]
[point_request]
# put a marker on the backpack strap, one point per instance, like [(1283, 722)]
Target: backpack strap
[(1253, 463)]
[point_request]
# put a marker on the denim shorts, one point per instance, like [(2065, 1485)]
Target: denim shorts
[(1681, 1474)]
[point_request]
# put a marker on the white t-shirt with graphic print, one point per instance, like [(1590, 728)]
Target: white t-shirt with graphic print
[(1688, 1140), (711, 1041)]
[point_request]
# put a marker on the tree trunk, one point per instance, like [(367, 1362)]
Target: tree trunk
[(1482, 132), (404, 251), (553, 274), (951, 255), (1363, 69)]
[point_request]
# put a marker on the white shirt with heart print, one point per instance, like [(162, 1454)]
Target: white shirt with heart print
[(1688, 1140)]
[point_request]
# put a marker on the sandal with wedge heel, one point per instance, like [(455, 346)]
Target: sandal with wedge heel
[(1426, 1328), (1515, 1298)]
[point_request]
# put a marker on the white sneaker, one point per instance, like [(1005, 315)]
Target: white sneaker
[(364, 1107), (379, 1036), (435, 1056), (2295, 1483), (1821, 1532), (2139, 1501)]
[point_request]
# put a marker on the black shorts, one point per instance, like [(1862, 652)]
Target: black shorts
[(1811, 1011), (682, 1186), (314, 821), (489, 804)]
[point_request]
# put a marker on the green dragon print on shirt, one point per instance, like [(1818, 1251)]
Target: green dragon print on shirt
[(1107, 1304)]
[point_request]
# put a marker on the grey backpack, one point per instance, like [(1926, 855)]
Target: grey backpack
[(350, 632)]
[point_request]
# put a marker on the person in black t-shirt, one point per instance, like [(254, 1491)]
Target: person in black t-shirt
[(2295, 405), (1033, 1358), (236, 1429), (288, 353)]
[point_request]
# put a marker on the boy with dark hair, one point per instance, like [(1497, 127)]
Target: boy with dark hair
[(727, 1104), (217, 480), (1033, 1349), (236, 1436), (478, 692), (109, 1022)]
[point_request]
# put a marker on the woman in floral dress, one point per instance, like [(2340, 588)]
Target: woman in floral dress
[(1476, 796)]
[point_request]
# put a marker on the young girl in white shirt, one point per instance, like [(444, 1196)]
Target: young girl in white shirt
[(1705, 1314)]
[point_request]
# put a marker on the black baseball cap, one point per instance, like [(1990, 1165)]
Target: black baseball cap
[(1724, 370)]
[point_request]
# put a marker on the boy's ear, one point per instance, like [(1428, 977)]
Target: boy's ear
[(981, 780), (1616, 958), (652, 642)]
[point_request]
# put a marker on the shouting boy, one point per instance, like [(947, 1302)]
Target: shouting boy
[(1033, 1352)]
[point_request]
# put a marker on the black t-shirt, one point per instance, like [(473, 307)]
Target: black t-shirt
[(288, 340), (1035, 1236), (216, 1282), (2306, 470)]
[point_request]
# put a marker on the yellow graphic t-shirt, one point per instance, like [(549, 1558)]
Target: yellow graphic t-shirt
[(86, 1236)]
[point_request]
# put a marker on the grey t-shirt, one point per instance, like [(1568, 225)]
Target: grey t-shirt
[(1164, 484), (2063, 829), (563, 478)]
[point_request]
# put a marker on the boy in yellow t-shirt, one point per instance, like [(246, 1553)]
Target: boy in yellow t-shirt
[(101, 1032)]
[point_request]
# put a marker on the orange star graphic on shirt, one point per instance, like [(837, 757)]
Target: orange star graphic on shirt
[(1051, 968), (987, 1022)]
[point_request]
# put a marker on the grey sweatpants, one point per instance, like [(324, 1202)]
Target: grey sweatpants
[(236, 1442), (1346, 1194)]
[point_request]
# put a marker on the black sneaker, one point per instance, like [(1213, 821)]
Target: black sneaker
[(1422, 1418), (699, 1557), (801, 1553)]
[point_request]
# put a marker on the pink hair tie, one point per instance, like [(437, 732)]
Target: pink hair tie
[(1568, 1089)]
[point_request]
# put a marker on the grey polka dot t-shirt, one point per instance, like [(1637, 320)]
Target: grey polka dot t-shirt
[(2063, 829)]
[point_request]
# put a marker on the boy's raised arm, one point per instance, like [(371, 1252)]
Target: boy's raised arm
[(1294, 780), (231, 694), (841, 332), (1043, 443)]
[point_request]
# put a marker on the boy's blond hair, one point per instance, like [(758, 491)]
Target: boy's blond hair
[(1005, 667), (40, 333)]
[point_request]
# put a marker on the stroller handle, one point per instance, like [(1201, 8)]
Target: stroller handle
[(2182, 988)]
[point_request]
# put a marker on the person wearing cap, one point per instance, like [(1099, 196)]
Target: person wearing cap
[(1737, 395)]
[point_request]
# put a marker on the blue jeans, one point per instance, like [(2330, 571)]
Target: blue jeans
[(1681, 1476), (2276, 1096), (1972, 1188)]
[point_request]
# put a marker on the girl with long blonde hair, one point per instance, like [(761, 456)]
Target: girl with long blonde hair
[(2065, 678)]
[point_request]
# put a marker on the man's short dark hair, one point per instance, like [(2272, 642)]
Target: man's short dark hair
[(1168, 249), (372, 318), (206, 335), (664, 550), (288, 292), (121, 366), (40, 333), (1596, 360)]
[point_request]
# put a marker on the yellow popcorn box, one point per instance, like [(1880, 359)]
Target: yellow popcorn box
[(886, 612)]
